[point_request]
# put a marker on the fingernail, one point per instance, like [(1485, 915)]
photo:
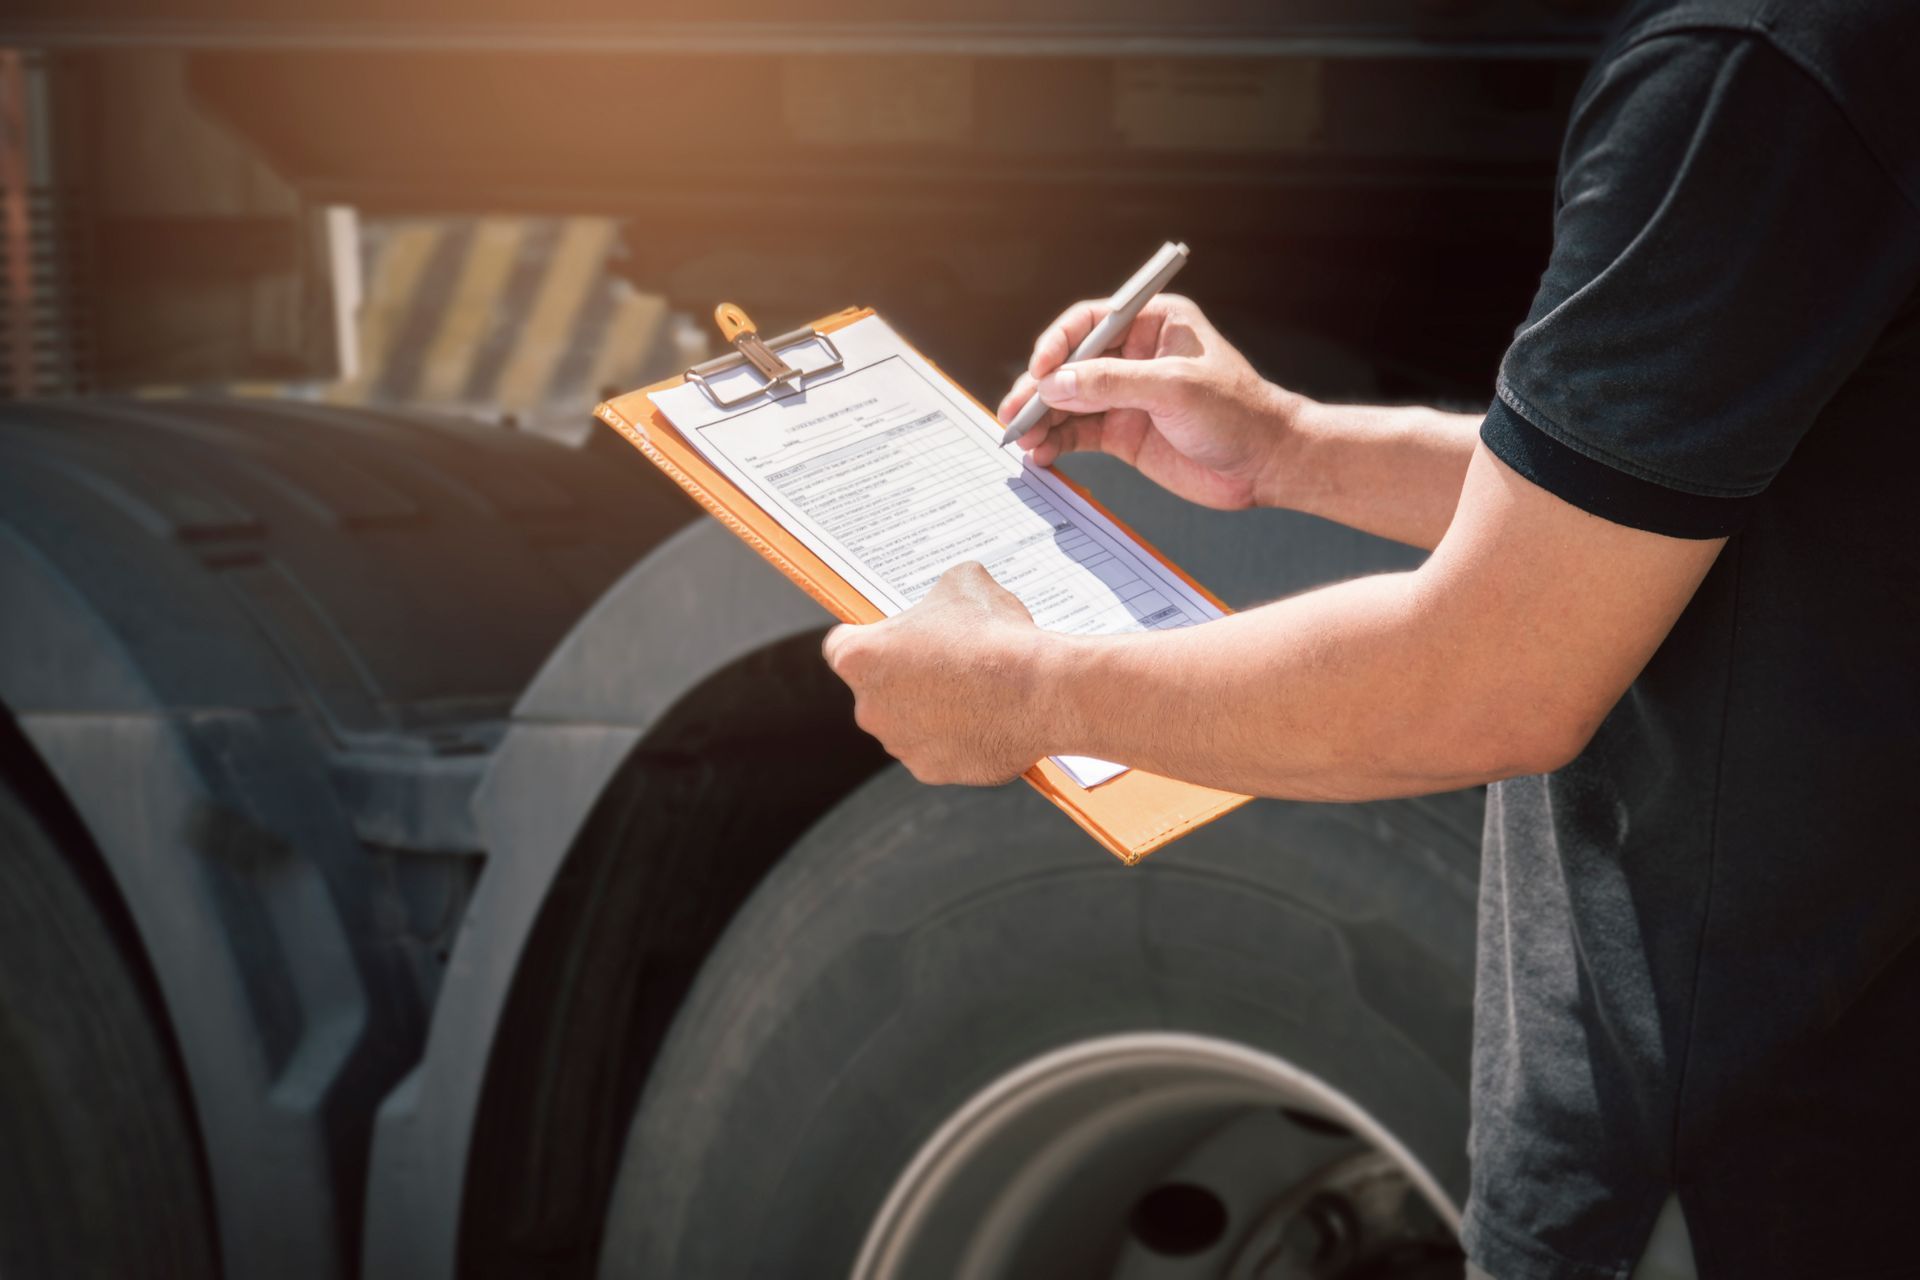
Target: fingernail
[(1062, 384)]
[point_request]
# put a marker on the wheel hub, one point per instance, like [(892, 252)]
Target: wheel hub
[(1159, 1156)]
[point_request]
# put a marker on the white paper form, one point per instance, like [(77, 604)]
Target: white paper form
[(892, 477)]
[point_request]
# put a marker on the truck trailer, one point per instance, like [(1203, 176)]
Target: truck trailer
[(430, 848)]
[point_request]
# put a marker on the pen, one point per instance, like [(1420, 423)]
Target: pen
[(1126, 303)]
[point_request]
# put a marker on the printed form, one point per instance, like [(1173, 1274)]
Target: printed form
[(892, 477)]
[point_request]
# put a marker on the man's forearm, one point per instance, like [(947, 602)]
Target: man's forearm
[(1395, 472), (1483, 663), (1355, 691)]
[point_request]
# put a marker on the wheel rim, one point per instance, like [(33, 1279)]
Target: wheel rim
[(1156, 1155)]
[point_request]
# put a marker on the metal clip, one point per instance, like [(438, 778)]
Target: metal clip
[(778, 377)]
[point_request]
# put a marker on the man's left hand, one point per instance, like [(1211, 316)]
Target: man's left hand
[(948, 686)]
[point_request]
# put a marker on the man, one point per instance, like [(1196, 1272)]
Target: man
[(1672, 611)]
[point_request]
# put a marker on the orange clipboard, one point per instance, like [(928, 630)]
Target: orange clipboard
[(1131, 815)]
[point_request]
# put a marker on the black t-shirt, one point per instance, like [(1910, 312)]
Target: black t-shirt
[(1700, 941)]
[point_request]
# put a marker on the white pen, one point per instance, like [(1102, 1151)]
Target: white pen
[(1125, 303)]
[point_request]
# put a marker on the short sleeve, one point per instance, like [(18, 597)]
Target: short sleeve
[(1726, 251)]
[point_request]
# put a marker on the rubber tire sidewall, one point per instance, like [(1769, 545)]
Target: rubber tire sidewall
[(100, 1174), (919, 942)]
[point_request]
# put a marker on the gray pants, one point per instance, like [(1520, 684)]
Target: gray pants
[(1668, 1255)]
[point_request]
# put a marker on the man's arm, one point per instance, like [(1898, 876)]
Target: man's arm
[(1675, 356), (1499, 656), (1394, 472)]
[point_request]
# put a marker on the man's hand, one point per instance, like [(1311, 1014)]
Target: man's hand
[(1180, 404), (1184, 408), (947, 686)]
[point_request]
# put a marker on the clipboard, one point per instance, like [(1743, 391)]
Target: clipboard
[(1130, 816)]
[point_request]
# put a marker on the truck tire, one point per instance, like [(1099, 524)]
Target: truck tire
[(950, 1036), (100, 1176)]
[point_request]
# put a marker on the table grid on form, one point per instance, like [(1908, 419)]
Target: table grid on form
[(957, 503)]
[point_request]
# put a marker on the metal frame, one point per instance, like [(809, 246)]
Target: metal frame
[(764, 357)]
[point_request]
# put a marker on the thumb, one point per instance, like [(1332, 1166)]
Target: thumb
[(834, 647), (1092, 386)]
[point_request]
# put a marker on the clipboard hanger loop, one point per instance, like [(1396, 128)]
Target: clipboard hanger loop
[(777, 377)]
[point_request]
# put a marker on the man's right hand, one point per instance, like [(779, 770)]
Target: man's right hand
[(1173, 399)]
